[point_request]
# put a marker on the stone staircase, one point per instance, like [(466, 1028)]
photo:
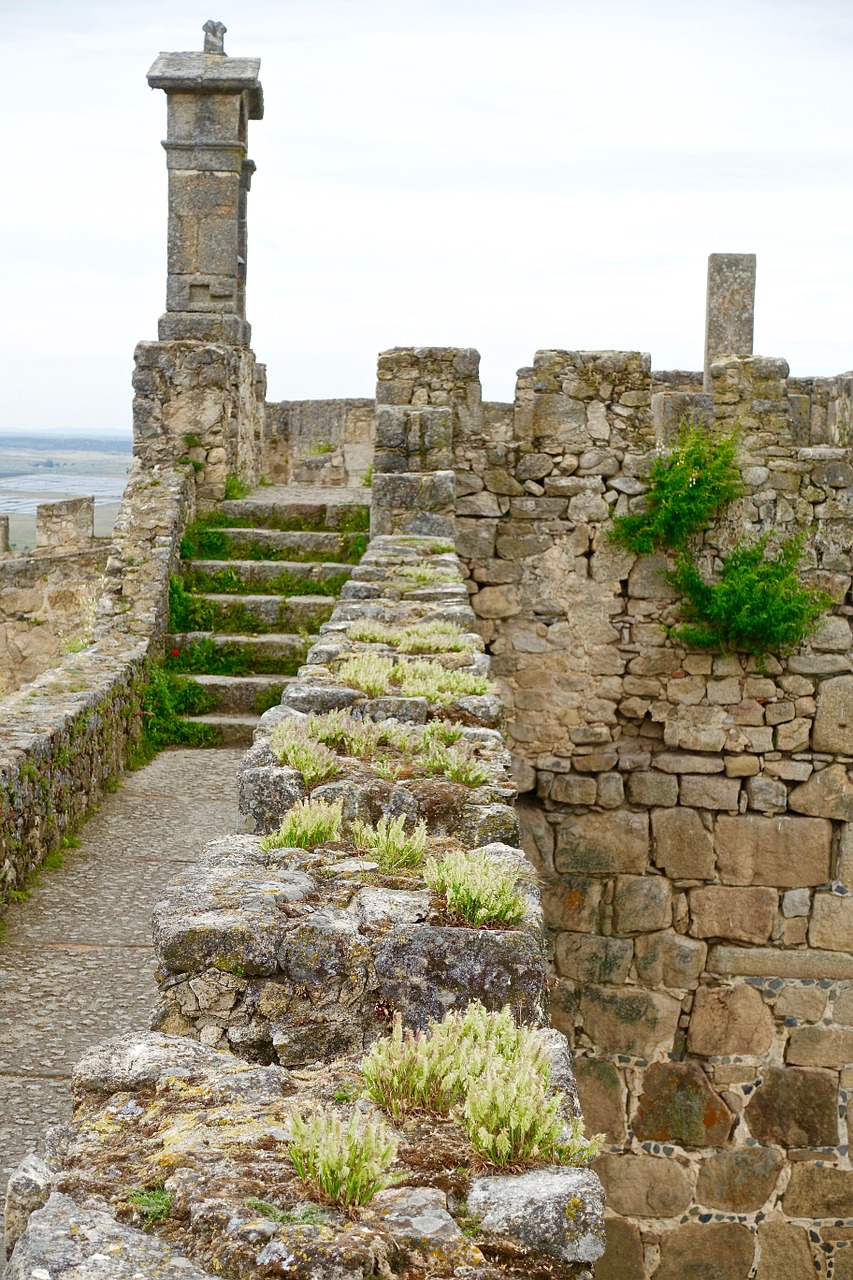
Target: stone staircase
[(259, 575)]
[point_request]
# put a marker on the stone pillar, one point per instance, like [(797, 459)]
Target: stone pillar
[(730, 308), (425, 396), (211, 98), (5, 549)]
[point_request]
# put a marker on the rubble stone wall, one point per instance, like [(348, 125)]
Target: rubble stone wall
[(200, 404), (689, 812), (318, 442)]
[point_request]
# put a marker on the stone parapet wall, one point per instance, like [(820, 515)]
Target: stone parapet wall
[(67, 732), (692, 821)]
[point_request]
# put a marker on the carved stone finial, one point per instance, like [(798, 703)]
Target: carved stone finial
[(214, 36)]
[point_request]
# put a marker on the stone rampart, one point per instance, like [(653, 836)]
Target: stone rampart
[(691, 828), (318, 442)]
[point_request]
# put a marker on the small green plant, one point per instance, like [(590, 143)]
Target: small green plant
[(235, 488), (308, 824), (425, 575), (192, 441), (759, 605), (354, 737), (300, 1215), (456, 763), (188, 612), (367, 478), (155, 1203), (687, 487), (293, 744), (389, 843), (488, 1072), (166, 699), (321, 447), (267, 698), (475, 888), (230, 659), (377, 675), (347, 1163), (369, 672)]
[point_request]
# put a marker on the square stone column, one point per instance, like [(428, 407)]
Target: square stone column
[(211, 98), (730, 308)]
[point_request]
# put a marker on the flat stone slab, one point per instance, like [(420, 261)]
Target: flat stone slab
[(557, 1211)]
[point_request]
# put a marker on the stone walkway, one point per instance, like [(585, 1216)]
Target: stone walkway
[(76, 961)]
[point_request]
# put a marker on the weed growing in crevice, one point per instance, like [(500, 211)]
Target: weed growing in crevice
[(235, 488), (376, 675), (308, 824), (420, 637), (154, 1203), (300, 1215), (205, 656), (293, 744), (229, 582), (166, 699), (489, 1073), (348, 1163), (389, 844), (475, 888)]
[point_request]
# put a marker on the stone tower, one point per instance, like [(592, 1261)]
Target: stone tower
[(211, 99)]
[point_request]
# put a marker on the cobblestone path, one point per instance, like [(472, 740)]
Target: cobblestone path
[(76, 961)]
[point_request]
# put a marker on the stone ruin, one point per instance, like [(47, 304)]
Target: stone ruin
[(688, 814)]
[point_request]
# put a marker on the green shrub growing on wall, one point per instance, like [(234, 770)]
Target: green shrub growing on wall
[(759, 605), (687, 487)]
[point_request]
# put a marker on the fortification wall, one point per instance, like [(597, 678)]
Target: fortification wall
[(691, 822)]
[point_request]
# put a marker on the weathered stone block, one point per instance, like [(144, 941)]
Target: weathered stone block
[(784, 852), (767, 794), (820, 1047), (818, 1191), (623, 1257), (795, 1107), (729, 1020), (793, 736), (631, 1021), (652, 788), (603, 1097), (833, 723), (587, 957), (678, 1105), (571, 903), (706, 1251), (785, 1252), (831, 924), (745, 915), (559, 1212), (603, 843), (569, 788), (738, 1181), (682, 845), (669, 960), (703, 792), (827, 794), (644, 1186), (642, 904)]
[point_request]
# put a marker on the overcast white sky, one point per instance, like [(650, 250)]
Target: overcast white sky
[(504, 174)]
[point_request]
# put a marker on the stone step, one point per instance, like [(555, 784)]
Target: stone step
[(221, 653), (234, 730), (236, 695), (302, 509), (265, 575), (223, 543), (252, 614)]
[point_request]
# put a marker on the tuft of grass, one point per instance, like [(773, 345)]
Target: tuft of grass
[(205, 656), (154, 1202), (354, 737), (456, 763), (420, 637), (425, 575), (235, 488), (488, 1072), (389, 844), (475, 888), (759, 605), (367, 478), (293, 744), (347, 1163), (267, 698), (687, 487), (227, 582), (308, 824), (376, 675), (187, 612), (321, 447)]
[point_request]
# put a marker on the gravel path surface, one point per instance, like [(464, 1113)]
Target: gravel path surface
[(76, 961)]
